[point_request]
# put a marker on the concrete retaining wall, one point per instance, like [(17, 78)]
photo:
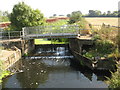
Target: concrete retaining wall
[(75, 46), (76, 49), (11, 57), (19, 48), (26, 46)]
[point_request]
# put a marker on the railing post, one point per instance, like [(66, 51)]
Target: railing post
[(50, 30), (9, 34), (23, 31), (20, 34)]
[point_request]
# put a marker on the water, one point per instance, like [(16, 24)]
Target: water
[(53, 72)]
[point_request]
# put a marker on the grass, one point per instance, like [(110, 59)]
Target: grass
[(102, 49), (45, 41), (42, 41), (114, 82), (4, 74)]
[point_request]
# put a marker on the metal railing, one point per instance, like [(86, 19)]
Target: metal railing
[(10, 34), (51, 30)]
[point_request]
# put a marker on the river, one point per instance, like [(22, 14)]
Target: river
[(53, 67)]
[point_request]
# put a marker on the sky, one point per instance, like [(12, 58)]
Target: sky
[(63, 7)]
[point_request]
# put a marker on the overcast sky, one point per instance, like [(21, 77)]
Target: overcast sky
[(63, 7)]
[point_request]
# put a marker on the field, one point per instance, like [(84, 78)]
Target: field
[(100, 20)]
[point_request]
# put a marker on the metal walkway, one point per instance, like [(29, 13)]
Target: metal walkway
[(65, 31)]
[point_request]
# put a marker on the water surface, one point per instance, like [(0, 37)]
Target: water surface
[(53, 72)]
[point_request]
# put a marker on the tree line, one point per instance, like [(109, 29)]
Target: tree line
[(97, 13)]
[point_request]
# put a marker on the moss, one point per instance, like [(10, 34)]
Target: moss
[(25, 54), (4, 74)]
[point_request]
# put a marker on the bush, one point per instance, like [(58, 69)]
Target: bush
[(102, 48), (114, 81)]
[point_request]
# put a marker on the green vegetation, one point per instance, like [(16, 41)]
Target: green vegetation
[(102, 48), (24, 16), (114, 82), (106, 46), (105, 43), (97, 13), (4, 16), (3, 73), (75, 17), (57, 23), (51, 41), (60, 41), (42, 41)]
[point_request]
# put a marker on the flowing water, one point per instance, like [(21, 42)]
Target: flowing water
[(61, 71)]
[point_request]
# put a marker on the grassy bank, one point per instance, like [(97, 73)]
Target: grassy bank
[(51, 41), (3, 73), (105, 45)]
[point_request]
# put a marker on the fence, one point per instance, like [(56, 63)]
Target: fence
[(10, 34)]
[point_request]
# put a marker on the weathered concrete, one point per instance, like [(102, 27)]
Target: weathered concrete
[(9, 57), (100, 64), (75, 46), (26, 46), (105, 64), (19, 48)]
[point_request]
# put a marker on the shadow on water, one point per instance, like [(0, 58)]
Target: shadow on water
[(88, 73), (53, 72)]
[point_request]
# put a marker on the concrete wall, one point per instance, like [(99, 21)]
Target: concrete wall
[(75, 46), (76, 49), (11, 57), (26, 46), (19, 48)]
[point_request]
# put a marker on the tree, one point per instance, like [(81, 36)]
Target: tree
[(98, 13), (0, 13), (115, 13), (75, 16), (54, 15), (4, 16), (104, 14), (5, 13), (108, 13), (68, 15), (24, 16), (94, 13), (91, 13)]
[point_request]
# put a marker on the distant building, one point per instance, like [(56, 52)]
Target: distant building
[(50, 20), (4, 24)]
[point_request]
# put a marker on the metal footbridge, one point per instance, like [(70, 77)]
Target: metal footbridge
[(65, 31), (35, 32)]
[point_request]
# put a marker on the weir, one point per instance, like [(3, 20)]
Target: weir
[(76, 42)]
